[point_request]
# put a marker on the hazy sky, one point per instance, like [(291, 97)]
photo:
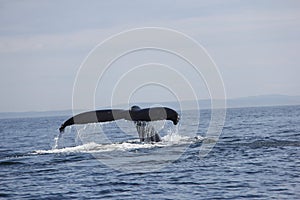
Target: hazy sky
[(255, 44)]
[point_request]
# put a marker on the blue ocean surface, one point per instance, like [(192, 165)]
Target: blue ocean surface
[(256, 157)]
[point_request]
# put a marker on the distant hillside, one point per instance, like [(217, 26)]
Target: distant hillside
[(251, 101), (264, 100), (7, 115)]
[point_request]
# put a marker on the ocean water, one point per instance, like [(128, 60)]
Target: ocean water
[(256, 157)]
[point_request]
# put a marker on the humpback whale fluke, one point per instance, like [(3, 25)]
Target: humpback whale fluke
[(136, 114)]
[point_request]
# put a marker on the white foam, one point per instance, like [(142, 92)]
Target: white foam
[(93, 147), (174, 138), (76, 149)]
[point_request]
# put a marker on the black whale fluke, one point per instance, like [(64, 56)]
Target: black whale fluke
[(93, 117), (135, 114)]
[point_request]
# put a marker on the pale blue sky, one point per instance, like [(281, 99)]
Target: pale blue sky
[(255, 44)]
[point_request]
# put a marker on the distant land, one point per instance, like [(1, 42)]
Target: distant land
[(31, 114), (264, 100), (251, 101)]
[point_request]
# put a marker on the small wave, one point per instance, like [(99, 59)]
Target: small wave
[(76, 149), (93, 147), (174, 138), (10, 163), (273, 143)]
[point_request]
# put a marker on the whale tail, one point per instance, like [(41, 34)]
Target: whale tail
[(139, 116)]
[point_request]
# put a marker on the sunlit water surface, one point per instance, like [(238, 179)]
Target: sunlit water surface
[(257, 156)]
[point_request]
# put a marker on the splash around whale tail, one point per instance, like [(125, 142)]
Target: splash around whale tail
[(136, 114)]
